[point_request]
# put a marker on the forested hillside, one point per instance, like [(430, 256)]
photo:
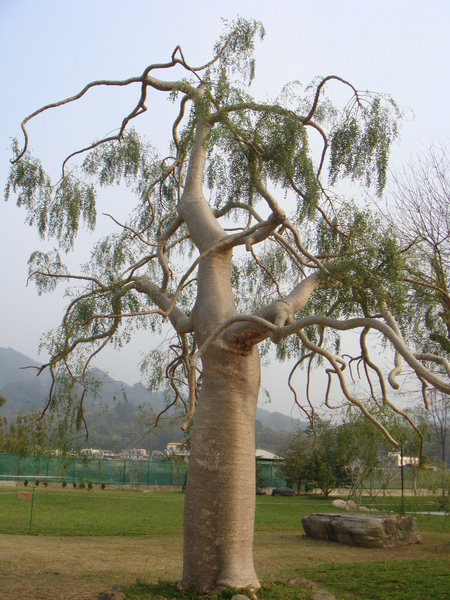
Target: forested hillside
[(121, 416)]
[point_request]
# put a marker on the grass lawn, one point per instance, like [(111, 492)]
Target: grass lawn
[(86, 541)]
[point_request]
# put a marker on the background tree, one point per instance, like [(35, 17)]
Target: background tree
[(421, 214), (255, 272), (294, 467), (439, 424), (349, 448), (3, 426)]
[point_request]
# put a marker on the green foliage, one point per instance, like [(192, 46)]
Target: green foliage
[(237, 57), (348, 451), (360, 147), (132, 159), (56, 211), (428, 292), (369, 271), (19, 438), (40, 264), (295, 467)]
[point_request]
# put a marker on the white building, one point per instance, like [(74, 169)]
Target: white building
[(408, 461)]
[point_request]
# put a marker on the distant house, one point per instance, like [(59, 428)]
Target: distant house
[(261, 454), (177, 449), (91, 452), (134, 454), (408, 461)]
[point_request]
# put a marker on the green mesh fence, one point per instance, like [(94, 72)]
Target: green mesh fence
[(162, 473), (269, 472), (113, 472), (76, 470)]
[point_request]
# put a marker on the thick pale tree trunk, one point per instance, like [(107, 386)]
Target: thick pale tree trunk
[(220, 491)]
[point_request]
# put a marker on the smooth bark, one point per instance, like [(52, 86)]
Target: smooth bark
[(220, 490)]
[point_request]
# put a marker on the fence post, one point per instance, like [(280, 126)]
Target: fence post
[(31, 510), (401, 474)]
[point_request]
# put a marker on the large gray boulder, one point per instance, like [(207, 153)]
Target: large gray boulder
[(371, 531)]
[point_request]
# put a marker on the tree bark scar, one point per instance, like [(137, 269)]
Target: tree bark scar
[(245, 342)]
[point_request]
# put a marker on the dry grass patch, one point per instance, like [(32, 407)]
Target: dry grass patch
[(45, 568), (79, 568)]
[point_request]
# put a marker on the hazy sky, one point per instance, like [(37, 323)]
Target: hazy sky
[(50, 49)]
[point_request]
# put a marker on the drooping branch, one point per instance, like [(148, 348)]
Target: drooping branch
[(145, 80), (315, 103), (179, 320), (239, 325)]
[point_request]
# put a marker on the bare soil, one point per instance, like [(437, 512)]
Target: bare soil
[(80, 568)]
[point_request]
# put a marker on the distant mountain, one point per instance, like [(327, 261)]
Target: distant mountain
[(276, 421), (19, 384), (118, 416), (23, 390)]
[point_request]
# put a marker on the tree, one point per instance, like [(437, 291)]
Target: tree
[(421, 212), (322, 471), (255, 272), (294, 467), (439, 423), (328, 457)]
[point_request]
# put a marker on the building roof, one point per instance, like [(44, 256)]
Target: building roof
[(266, 455)]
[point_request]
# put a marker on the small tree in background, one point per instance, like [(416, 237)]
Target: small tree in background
[(294, 468)]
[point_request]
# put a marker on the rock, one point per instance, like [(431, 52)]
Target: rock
[(349, 505), (339, 504), (261, 492), (240, 597), (282, 491), (371, 531)]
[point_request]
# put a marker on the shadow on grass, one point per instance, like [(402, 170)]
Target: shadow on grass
[(169, 591), (396, 580)]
